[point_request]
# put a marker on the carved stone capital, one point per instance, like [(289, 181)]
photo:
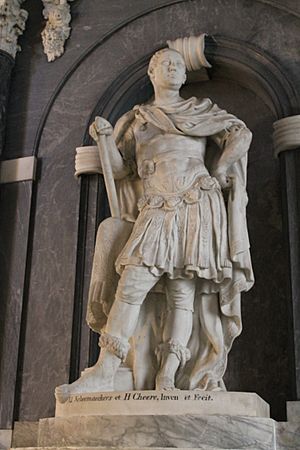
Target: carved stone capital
[(57, 30), (192, 50), (12, 25), (286, 134)]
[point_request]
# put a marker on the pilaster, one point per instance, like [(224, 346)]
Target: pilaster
[(287, 148)]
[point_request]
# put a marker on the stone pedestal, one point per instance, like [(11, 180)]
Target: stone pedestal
[(158, 431), (163, 419)]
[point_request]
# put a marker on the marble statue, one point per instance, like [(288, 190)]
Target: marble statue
[(171, 263)]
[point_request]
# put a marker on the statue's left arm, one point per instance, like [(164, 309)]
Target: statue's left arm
[(234, 144)]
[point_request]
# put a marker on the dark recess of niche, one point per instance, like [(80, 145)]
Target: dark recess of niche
[(7, 63)]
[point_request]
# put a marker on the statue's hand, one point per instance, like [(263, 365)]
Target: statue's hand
[(224, 180), (100, 127)]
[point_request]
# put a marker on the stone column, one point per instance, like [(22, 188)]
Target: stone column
[(287, 148), (12, 25)]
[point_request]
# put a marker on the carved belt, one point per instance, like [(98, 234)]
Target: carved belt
[(171, 201)]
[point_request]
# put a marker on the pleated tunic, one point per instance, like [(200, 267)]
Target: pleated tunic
[(183, 235)]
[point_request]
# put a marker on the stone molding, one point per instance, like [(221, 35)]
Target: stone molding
[(192, 50), (5, 439), (57, 30), (87, 160), (286, 134), (19, 169), (12, 25)]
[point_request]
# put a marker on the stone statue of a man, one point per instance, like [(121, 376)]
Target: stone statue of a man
[(185, 237)]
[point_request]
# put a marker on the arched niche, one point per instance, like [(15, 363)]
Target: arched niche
[(231, 60), (253, 87)]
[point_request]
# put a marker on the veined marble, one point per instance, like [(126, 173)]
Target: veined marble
[(288, 435), (187, 431)]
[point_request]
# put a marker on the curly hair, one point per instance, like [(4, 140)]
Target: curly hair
[(154, 59)]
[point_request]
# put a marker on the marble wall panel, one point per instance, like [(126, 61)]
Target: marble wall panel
[(290, 169), (6, 65), (15, 203)]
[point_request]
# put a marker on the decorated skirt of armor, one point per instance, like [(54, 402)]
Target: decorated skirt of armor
[(182, 234)]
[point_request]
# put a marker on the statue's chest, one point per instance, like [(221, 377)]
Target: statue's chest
[(145, 132)]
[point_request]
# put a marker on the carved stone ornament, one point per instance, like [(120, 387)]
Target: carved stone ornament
[(286, 134), (12, 25), (57, 30), (192, 50)]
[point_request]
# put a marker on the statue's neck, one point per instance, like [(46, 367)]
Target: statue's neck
[(165, 96)]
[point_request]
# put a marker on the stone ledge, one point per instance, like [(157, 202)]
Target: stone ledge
[(19, 169), (5, 439), (126, 448), (25, 434)]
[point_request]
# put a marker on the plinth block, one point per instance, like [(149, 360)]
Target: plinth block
[(185, 431), (127, 448), (164, 403), (140, 448)]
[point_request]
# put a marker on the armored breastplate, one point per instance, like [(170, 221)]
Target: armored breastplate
[(167, 162)]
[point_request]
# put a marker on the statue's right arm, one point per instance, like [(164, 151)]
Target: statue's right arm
[(101, 127)]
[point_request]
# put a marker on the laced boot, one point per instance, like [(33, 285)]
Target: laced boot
[(171, 355), (100, 377)]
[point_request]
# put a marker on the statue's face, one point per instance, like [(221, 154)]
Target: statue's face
[(169, 71)]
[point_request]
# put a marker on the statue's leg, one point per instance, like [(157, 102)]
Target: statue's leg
[(133, 286), (210, 317), (177, 331)]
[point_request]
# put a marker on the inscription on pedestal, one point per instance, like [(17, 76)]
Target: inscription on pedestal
[(163, 403), (136, 395)]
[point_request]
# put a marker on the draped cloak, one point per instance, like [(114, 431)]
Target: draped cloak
[(197, 119)]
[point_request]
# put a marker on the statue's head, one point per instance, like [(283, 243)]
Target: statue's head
[(167, 69)]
